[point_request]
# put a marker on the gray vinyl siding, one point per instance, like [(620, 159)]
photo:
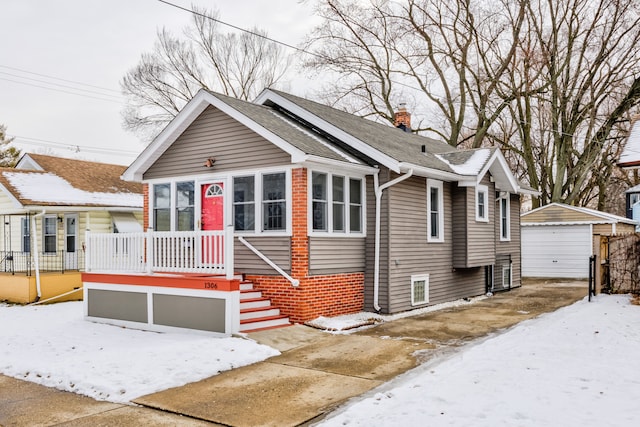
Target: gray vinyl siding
[(411, 254), (277, 249), (474, 241), (511, 247), (215, 134), (331, 255), (383, 294)]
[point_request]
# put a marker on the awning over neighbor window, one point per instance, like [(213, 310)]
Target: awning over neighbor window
[(125, 222)]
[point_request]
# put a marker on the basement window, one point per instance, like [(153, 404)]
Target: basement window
[(419, 289)]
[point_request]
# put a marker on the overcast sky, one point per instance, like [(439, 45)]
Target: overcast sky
[(95, 42)]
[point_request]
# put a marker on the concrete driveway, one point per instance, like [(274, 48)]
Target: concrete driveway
[(315, 373)]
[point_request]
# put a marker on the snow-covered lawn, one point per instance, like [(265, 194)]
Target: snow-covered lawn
[(53, 345), (579, 366)]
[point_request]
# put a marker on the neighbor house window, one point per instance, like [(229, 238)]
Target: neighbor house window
[(244, 203), (435, 211), (162, 207), (336, 203), (185, 200), (482, 209), (50, 231), (274, 204), (419, 289), (25, 228), (505, 226)]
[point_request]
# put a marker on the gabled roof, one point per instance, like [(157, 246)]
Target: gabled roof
[(559, 213), (310, 131), (40, 180), (630, 156)]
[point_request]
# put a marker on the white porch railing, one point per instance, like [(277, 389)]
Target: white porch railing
[(161, 251)]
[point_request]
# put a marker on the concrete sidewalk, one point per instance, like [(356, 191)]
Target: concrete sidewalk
[(315, 372)]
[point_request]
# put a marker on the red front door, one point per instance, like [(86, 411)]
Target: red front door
[(212, 219)]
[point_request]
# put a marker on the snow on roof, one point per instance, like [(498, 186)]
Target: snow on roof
[(631, 153), (471, 165), (48, 188)]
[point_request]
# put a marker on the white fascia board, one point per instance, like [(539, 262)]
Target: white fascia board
[(504, 166), (344, 166), (185, 118), (359, 145), (432, 173)]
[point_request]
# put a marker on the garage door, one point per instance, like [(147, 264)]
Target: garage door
[(556, 251)]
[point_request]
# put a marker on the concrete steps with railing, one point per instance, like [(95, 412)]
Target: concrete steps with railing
[(256, 312)]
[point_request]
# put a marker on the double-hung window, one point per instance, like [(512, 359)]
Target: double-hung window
[(244, 203), (274, 204), (336, 203), (26, 234), (482, 206), (162, 207), (505, 223), (49, 232), (185, 200), (260, 199), (435, 211)]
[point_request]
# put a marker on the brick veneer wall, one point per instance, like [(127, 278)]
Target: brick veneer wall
[(326, 295), (145, 209)]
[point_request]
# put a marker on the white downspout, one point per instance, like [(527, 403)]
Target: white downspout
[(36, 256), (378, 189)]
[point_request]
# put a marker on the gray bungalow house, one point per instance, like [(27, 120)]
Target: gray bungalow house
[(317, 211)]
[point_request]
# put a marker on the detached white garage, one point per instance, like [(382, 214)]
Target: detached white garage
[(557, 239)]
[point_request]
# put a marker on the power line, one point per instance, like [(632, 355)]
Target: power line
[(59, 85), (74, 147), (60, 90), (58, 78), (239, 28)]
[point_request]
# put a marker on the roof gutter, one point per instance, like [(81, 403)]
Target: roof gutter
[(376, 268)]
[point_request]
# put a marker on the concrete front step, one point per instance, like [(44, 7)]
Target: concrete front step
[(256, 313), (254, 303), (250, 294), (246, 286), (263, 322)]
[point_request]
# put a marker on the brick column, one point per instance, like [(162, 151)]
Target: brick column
[(145, 208), (299, 238)]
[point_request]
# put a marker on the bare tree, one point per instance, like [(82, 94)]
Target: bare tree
[(550, 81), (239, 65)]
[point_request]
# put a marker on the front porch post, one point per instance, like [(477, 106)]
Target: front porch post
[(228, 252)]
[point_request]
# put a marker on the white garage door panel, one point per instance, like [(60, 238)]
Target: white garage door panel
[(556, 251)]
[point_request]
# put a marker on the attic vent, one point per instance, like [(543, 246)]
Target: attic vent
[(424, 148)]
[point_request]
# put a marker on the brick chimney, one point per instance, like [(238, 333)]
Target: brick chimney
[(402, 118)]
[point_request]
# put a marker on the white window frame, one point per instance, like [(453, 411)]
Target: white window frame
[(507, 268), (258, 202), (505, 235), (432, 183), (44, 234), (346, 177), (25, 234), (420, 278), (484, 190)]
